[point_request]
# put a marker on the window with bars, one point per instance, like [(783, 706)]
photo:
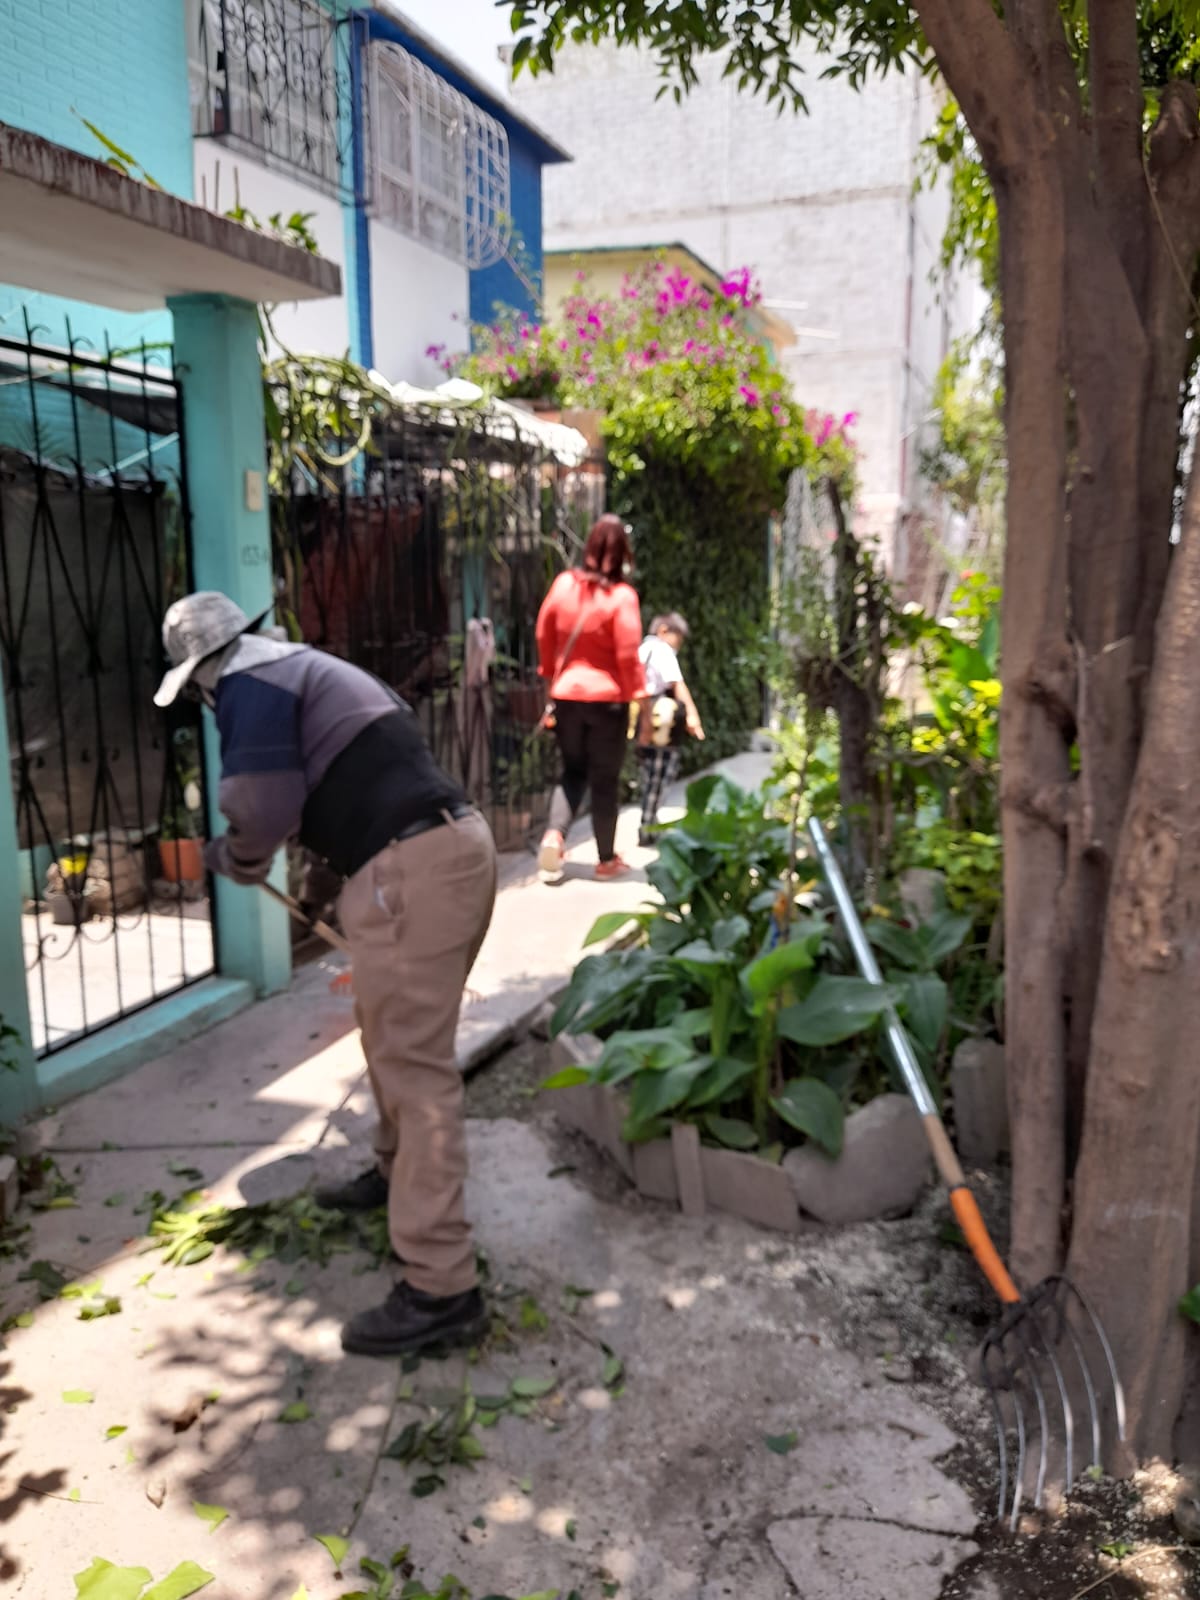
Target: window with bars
[(272, 76), (441, 165)]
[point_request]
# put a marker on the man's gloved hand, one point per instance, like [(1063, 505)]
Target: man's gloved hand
[(220, 859)]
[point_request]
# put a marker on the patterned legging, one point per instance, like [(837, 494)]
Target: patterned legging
[(659, 767)]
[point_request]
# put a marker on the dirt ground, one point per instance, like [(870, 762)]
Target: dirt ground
[(904, 1291)]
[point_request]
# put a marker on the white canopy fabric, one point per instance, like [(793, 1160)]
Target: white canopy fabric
[(501, 419)]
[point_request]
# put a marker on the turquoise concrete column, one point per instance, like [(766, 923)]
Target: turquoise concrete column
[(19, 1089), (216, 357)]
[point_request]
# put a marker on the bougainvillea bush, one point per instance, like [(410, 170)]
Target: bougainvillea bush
[(703, 433)]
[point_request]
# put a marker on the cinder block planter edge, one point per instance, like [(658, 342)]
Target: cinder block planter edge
[(700, 1178)]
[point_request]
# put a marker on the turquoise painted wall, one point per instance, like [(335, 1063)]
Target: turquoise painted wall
[(122, 64)]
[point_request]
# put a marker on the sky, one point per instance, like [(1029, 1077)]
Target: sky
[(469, 29)]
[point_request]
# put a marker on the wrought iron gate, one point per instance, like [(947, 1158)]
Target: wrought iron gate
[(109, 793), (426, 561)]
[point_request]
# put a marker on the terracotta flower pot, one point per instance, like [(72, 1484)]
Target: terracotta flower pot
[(182, 860)]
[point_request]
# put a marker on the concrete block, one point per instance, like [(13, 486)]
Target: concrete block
[(882, 1169), (10, 1188), (592, 1109), (749, 1188), (979, 1092), (840, 1558), (654, 1170), (685, 1143)]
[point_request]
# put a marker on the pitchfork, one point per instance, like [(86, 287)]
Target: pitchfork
[(1021, 1352)]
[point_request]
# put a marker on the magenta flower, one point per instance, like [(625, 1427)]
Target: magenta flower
[(749, 395), (849, 419)]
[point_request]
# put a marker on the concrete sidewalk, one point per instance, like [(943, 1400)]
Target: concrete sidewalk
[(669, 1352)]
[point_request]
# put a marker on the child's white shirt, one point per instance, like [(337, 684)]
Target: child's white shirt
[(661, 664)]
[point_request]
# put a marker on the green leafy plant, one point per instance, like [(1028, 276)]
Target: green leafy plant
[(733, 1008)]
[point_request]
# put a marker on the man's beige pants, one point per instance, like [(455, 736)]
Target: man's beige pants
[(415, 917)]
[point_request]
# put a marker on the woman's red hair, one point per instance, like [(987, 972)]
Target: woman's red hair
[(607, 551)]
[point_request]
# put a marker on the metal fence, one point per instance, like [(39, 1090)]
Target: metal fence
[(108, 793), (426, 562)]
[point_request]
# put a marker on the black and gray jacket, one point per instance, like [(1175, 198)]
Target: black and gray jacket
[(316, 750)]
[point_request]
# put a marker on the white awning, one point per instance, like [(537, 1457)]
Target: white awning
[(501, 419)]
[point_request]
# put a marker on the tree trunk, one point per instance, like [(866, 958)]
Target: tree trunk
[(1132, 1249), (1037, 699)]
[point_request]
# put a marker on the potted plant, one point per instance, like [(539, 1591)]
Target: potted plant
[(181, 840), (68, 898)]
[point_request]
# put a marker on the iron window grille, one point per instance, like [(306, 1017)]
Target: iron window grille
[(272, 77), (441, 164)]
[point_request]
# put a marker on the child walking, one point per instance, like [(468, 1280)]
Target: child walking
[(667, 712)]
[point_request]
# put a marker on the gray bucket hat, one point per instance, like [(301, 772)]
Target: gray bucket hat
[(195, 628)]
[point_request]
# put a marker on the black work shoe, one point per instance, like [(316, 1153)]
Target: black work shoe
[(367, 1192), (409, 1320)]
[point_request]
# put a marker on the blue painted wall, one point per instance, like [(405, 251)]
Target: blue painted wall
[(122, 64), (500, 284)]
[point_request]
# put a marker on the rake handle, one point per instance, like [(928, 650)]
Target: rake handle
[(330, 936), (962, 1201)]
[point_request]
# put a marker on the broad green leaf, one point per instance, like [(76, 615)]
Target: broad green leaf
[(187, 1579), (533, 1388), (78, 1397), (567, 1078), (336, 1546), (732, 1132), (900, 945), (198, 1253), (429, 1484), (718, 1080), (729, 932), (213, 1515), (768, 974), (781, 1444), (924, 1005), (611, 923), (1189, 1306), (298, 1411), (655, 1093), (835, 1009), (105, 1581), (812, 1108), (942, 935), (700, 953)]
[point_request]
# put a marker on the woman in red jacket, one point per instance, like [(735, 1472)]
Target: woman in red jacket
[(589, 632)]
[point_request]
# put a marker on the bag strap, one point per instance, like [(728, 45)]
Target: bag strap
[(573, 637)]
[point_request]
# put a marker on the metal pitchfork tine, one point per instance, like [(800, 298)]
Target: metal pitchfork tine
[(1018, 1347)]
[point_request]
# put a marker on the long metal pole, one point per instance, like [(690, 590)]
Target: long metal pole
[(897, 1038)]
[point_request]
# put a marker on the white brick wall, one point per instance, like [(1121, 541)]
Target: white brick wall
[(820, 206)]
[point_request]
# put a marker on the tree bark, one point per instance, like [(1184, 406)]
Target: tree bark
[(1131, 1249), (1037, 699)]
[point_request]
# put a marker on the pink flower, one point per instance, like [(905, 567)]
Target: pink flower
[(749, 395), (435, 351), (823, 434), (849, 419)]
